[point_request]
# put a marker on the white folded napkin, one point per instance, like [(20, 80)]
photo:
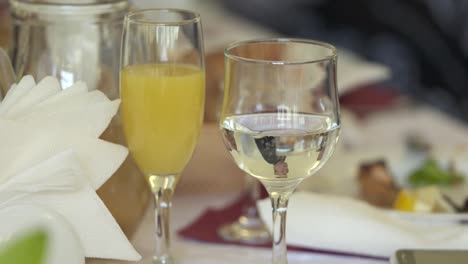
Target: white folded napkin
[(346, 225), (52, 156)]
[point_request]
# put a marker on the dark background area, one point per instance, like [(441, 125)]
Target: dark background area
[(424, 42)]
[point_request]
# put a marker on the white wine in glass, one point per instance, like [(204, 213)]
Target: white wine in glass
[(162, 87), (296, 147), (296, 134)]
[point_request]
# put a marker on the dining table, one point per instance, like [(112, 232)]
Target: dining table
[(212, 180), (186, 208)]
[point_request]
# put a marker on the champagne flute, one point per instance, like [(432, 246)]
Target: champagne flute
[(162, 82), (297, 134)]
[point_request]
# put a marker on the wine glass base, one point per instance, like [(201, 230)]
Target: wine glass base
[(246, 231), (163, 260)]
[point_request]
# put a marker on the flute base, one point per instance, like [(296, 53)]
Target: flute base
[(246, 231)]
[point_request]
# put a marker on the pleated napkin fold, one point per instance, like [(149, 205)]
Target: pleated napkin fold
[(52, 156)]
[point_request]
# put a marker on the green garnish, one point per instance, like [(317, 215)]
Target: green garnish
[(28, 249), (431, 173)]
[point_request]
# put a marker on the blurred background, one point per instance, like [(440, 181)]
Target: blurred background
[(402, 68), (402, 80), (423, 42)]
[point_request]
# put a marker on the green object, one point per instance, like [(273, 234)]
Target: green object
[(431, 173), (27, 249)]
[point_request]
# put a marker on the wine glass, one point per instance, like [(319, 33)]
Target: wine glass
[(162, 87), (295, 134), (248, 228)]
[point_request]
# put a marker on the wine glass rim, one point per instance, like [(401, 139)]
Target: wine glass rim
[(322, 44), (130, 16)]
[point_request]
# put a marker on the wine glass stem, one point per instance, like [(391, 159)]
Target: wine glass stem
[(279, 202), (162, 188), (253, 194)]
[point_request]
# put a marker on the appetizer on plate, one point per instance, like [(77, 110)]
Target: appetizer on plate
[(422, 194)]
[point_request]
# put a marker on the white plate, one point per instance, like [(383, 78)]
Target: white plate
[(339, 175), (63, 244)]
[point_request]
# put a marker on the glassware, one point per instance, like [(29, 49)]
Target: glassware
[(249, 227), (7, 74), (280, 119), (73, 40), (162, 86), (79, 40)]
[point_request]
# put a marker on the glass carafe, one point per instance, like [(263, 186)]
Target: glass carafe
[(79, 40)]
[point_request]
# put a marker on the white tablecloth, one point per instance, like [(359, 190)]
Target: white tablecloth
[(186, 209), (421, 120)]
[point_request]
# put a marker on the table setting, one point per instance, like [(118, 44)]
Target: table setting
[(146, 133)]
